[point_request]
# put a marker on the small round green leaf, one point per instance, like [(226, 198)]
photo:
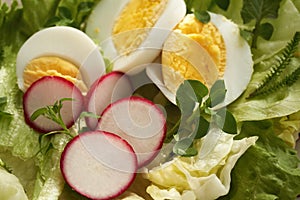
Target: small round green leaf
[(202, 129), (217, 93), (226, 121)]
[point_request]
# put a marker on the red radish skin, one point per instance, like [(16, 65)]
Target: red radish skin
[(104, 91), (140, 122), (98, 165), (46, 91)]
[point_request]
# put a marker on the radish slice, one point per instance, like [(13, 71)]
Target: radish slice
[(106, 90), (140, 122), (98, 165), (45, 92)]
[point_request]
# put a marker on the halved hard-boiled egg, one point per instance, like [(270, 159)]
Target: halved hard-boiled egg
[(132, 32), (59, 51), (204, 52)]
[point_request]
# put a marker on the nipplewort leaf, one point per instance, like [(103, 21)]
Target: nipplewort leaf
[(259, 9), (223, 4), (266, 30)]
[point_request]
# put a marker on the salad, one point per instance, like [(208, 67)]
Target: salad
[(228, 132)]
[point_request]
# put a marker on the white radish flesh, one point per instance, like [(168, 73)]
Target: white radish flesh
[(140, 122), (98, 165), (45, 92), (106, 90)]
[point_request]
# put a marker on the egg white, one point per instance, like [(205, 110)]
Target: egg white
[(239, 63), (100, 26), (67, 43)]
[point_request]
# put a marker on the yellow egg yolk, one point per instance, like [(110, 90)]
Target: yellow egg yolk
[(209, 38), (135, 22), (52, 66)]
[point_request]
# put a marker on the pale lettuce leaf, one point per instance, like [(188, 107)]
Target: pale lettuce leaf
[(288, 128), (283, 102), (10, 187), (15, 133), (204, 177)]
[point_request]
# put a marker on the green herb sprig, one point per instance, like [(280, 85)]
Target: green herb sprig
[(52, 112), (272, 81), (197, 115)]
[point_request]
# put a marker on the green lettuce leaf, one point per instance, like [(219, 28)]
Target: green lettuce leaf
[(15, 134), (18, 22), (268, 170), (10, 24), (72, 13), (38, 171)]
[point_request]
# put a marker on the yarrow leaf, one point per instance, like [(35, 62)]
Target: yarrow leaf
[(282, 62)]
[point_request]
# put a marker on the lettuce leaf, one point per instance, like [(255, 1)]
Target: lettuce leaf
[(38, 172), (10, 187), (287, 128), (283, 102), (21, 21), (24, 170), (15, 134), (9, 24), (205, 176), (285, 26), (18, 22), (268, 170)]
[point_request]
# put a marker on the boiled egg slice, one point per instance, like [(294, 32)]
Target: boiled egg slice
[(59, 51), (204, 52), (132, 32)]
